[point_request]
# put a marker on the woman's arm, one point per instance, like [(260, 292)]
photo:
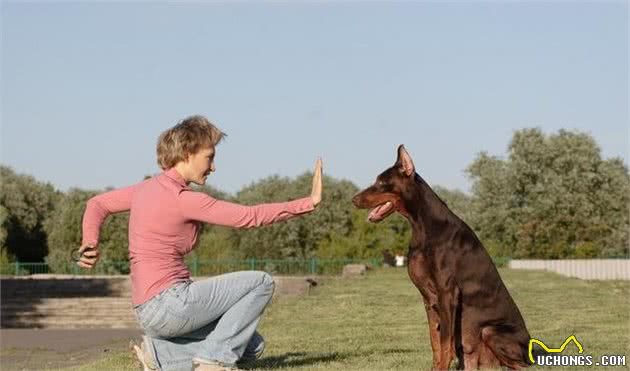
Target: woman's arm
[(97, 209), (204, 208), (201, 207)]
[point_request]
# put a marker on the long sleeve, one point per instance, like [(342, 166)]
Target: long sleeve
[(99, 207), (201, 207)]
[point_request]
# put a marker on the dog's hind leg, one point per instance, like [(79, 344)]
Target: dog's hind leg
[(487, 359), (506, 348), (474, 351), (470, 358)]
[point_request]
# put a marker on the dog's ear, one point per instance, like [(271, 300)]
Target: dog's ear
[(404, 162)]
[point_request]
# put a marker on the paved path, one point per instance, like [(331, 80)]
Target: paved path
[(32, 349)]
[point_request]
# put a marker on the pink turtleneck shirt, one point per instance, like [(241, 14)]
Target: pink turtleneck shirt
[(164, 224)]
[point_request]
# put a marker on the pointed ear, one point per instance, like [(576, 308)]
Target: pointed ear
[(404, 161)]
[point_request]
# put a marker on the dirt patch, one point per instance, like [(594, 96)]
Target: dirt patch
[(32, 349)]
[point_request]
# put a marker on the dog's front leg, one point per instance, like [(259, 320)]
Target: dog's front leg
[(433, 318), (448, 301)]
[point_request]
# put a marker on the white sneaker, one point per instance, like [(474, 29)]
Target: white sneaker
[(144, 358)]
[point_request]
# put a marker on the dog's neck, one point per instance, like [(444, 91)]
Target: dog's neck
[(424, 209)]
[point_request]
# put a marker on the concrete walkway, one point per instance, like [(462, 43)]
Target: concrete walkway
[(39, 349), (33, 349)]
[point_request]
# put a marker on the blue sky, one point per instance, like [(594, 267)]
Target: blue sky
[(88, 87)]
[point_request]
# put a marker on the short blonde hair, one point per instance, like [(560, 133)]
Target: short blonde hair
[(186, 138)]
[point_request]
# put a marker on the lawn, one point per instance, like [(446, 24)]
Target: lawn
[(378, 323)]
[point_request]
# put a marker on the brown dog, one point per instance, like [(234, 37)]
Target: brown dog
[(471, 315)]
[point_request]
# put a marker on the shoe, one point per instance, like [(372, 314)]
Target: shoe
[(149, 355), (255, 349), (203, 365), (144, 358)]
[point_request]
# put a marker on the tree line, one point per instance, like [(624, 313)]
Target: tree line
[(552, 196)]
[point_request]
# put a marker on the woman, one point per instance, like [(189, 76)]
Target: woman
[(209, 324)]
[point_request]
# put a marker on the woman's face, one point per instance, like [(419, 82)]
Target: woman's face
[(200, 165)]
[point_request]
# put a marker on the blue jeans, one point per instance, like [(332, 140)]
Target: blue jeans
[(213, 319)]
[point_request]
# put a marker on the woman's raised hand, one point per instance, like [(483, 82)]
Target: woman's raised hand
[(316, 192)]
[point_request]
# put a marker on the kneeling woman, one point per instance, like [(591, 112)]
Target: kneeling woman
[(208, 324)]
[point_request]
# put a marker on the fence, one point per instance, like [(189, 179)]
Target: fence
[(211, 267), (201, 267), (588, 269)]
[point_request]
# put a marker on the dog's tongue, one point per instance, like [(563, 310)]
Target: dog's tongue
[(378, 213)]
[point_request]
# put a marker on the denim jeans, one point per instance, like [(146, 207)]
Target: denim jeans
[(213, 319)]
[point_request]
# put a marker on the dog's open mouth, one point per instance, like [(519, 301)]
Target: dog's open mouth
[(381, 212)]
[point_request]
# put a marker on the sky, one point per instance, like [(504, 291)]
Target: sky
[(87, 87)]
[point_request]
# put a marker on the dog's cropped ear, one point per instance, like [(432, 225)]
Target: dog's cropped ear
[(404, 161)]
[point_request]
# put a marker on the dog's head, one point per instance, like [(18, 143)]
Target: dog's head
[(386, 194)]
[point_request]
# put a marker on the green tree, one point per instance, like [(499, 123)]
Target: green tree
[(553, 197), (489, 204), (367, 240), (28, 204), (4, 254), (613, 205), (299, 237), (459, 202)]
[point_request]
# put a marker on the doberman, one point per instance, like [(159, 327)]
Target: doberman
[(470, 313)]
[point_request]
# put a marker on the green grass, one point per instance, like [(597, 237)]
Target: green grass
[(378, 322)]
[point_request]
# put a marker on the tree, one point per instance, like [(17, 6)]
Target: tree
[(613, 202), (28, 204), (456, 200), (4, 254), (554, 197), (489, 204), (299, 237), (367, 240)]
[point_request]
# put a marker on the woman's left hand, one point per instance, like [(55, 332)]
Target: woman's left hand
[(316, 192), (88, 256)]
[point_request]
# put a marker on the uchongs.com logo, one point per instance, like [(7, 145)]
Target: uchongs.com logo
[(554, 356)]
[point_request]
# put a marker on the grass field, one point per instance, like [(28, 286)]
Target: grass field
[(377, 322)]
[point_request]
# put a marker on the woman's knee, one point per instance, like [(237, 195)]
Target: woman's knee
[(267, 281)]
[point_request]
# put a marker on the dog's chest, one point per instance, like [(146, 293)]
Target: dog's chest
[(420, 273)]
